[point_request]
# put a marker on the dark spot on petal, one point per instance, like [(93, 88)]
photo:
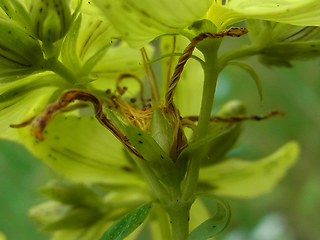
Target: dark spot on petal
[(127, 169)]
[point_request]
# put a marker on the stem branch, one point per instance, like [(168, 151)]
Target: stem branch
[(57, 67)]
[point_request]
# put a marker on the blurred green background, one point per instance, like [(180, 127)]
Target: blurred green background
[(289, 212)]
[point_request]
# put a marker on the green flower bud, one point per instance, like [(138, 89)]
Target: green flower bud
[(74, 194), (51, 19), (281, 43), (48, 212), (75, 218), (18, 50)]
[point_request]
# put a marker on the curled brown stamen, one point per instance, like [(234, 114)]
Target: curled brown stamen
[(187, 53), (39, 122), (128, 75), (234, 119)]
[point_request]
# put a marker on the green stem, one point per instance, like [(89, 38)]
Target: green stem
[(57, 67), (158, 189), (243, 52), (179, 218), (211, 72)]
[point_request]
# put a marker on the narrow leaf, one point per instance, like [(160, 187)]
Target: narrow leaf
[(214, 225), (127, 224)]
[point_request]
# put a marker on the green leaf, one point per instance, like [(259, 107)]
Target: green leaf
[(140, 22), (296, 12), (82, 150), (127, 224), (246, 179), (214, 225)]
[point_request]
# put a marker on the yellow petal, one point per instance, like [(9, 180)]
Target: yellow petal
[(296, 12)]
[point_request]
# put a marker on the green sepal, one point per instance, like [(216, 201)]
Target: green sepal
[(214, 225), (127, 224), (157, 158), (51, 19), (77, 194), (246, 179), (161, 130), (52, 28)]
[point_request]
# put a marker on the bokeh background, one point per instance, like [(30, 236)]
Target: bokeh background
[(289, 212)]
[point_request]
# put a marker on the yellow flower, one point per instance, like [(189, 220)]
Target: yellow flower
[(140, 22)]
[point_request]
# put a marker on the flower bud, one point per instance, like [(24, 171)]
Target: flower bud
[(281, 43), (51, 19), (73, 194), (18, 50)]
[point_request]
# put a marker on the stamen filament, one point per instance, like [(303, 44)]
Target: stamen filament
[(150, 76), (240, 118)]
